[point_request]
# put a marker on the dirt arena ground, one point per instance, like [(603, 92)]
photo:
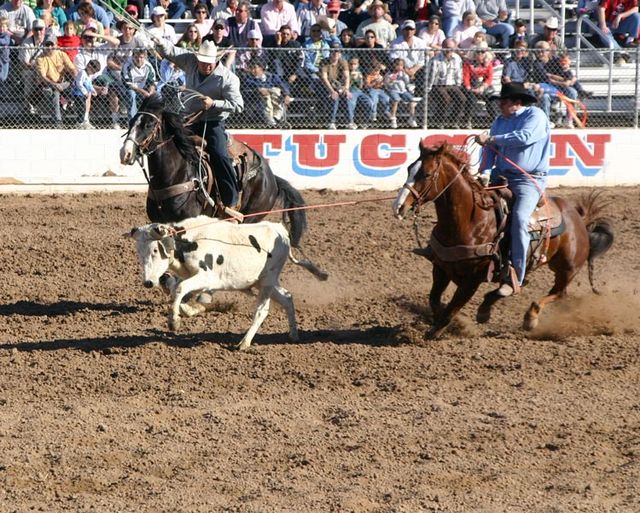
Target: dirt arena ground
[(102, 409)]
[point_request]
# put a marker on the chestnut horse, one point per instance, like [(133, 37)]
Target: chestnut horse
[(465, 242)]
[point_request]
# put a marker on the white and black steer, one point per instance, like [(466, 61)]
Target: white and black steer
[(207, 254)]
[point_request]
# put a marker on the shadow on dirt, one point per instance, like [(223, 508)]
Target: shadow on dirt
[(374, 337), (30, 308)]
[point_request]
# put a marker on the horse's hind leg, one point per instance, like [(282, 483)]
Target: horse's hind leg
[(558, 291), (461, 297)]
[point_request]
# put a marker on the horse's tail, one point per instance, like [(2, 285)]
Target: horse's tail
[(291, 198), (600, 229)]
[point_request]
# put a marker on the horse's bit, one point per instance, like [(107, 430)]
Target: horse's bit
[(154, 135)]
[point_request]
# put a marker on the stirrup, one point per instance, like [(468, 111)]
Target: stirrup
[(510, 285)]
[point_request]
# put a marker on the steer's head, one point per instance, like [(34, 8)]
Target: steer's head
[(154, 245)]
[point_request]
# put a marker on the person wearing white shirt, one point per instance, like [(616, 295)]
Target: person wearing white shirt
[(275, 14), (161, 29), (412, 50)]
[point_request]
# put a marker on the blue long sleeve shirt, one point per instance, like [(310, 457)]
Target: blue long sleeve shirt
[(524, 138)]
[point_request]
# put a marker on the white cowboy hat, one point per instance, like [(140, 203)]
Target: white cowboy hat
[(207, 52)]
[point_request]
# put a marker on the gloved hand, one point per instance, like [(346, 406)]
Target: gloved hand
[(484, 180), (483, 138)]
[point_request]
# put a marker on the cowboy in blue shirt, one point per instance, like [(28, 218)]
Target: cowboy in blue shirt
[(518, 148)]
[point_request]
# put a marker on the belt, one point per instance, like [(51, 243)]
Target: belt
[(518, 172)]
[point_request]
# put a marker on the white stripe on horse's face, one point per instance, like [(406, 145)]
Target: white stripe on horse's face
[(404, 192), (129, 148)]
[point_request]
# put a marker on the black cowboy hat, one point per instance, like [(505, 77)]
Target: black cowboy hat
[(515, 91)]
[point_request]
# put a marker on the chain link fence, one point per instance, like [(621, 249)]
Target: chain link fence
[(323, 88)]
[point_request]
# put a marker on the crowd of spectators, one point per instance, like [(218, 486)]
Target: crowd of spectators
[(81, 52)]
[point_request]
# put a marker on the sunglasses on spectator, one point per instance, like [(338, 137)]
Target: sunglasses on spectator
[(316, 30), (39, 28), (219, 27)]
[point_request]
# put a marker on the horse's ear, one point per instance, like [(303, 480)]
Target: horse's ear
[(422, 147), (444, 146)]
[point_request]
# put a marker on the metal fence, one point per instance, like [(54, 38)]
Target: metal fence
[(307, 88)]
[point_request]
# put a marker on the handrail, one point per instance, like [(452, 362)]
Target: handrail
[(580, 38)]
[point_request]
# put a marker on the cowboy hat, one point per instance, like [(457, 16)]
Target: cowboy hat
[(515, 91), (207, 52), (378, 3)]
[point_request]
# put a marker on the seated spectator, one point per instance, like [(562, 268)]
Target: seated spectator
[(566, 73), (244, 57), (494, 16), (537, 79), (51, 30), (619, 18), (87, 19), (91, 51), (463, 34), (54, 9), (355, 13), (347, 39), (69, 41), (273, 15), (477, 79), (516, 69), (241, 24), (378, 23), (412, 50), (520, 33), (288, 63), (334, 75), (20, 19), (83, 88), (308, 14), (191, 38), (31, 48), (202, 23), (374, 87), (218, 34), (333, 13), (160, 28), (399, 88), (358, 96), (100, 13), (427, 9), (5, 57), (316, 50), (550, 35), (447, 97), (453, 12), (140, 79), (225, 10), (267, 93), (56, 72), (132, 11), (329, 32), (432, 35)]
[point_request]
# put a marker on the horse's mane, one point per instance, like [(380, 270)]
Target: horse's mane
[(174, 126), (462, 160)]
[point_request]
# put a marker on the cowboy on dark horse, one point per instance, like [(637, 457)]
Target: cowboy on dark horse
[(220, 90)]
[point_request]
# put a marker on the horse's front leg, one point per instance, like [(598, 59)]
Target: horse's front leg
[(440, 282), (461, 297), (483, 314)]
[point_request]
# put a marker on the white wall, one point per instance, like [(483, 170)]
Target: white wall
[(43, 159)]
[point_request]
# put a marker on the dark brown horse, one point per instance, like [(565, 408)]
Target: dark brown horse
[(179, 182), (465, 242)]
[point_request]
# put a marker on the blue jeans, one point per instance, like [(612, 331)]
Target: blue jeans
[(378, 96), (630, 25), (526, 196), (502, 32)]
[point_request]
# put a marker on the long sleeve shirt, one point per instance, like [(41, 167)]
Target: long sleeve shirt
[(524, 138), (222, 85)]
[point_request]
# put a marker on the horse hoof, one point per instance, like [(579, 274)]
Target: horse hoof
[(530, 322), (433, 333), (483, 315), (243, 345), (174, 324)]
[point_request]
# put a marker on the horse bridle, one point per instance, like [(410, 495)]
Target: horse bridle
[(154, 136), (418, 196)]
